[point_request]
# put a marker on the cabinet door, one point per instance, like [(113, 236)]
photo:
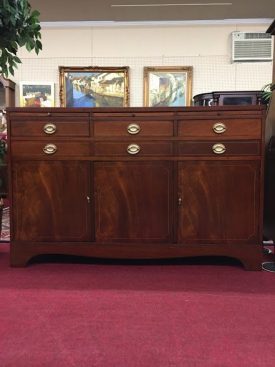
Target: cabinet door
[(50, 201), (218, 202), (133, 201)]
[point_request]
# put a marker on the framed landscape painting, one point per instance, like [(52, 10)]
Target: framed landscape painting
[(94, 86), (168, 86), (36, 94)]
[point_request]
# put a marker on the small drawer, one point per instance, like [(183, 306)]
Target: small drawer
[(58, 125), (133, 128), (53, 149), (129, 149), (217, 128), (220, 148)]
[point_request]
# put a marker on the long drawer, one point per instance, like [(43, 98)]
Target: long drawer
[(220, 128), (133, 128), (45, 149), (51, 124), (133, 149), (220, 148)]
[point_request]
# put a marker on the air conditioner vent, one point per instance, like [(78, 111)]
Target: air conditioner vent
[(251, 46), (256, 35)]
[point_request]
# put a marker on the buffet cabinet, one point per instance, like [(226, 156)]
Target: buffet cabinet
[(137, 183)]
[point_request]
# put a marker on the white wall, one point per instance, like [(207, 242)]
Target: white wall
[(205, 47)]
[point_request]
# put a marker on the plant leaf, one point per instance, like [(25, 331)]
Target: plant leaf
[(19, 27)]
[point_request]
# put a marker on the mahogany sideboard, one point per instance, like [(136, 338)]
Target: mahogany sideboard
[(137, 183)]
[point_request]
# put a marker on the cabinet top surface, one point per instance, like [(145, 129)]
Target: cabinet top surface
[(138, 109)]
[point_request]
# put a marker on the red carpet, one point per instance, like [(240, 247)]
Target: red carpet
[(93, 314)]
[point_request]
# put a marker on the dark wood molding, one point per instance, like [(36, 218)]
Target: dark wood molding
[(8, 92), (271, 28)]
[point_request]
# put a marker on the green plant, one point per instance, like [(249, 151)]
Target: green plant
[(267, 92), (19, 27)]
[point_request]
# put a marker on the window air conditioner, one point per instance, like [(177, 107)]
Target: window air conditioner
[(251, 46)]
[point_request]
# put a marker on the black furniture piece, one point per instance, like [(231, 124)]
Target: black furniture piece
[(226, 98)]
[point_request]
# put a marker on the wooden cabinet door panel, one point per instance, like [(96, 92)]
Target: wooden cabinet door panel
[(133, 201), (219, 202), (50, 201)]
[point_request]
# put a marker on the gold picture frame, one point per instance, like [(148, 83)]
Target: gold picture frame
[(168, 86), (36, 94), (94, 86)]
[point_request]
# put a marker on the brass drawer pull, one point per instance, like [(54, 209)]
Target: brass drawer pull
[(133, 129), (49, 128), (133, 149), (219, 128), (218, 148), (50, 149)]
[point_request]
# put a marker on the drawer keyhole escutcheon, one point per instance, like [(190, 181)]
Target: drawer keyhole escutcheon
[(133, 149), (133, 129), (50, 149), (219, 128), (49, 129), (219, 148)]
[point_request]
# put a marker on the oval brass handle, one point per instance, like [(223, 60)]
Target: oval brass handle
[(133, 129), (218, 148), (133, 149), (49, 128), (50, 149), (219, 128)]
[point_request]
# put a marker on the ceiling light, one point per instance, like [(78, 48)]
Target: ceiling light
[(162, 5)]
